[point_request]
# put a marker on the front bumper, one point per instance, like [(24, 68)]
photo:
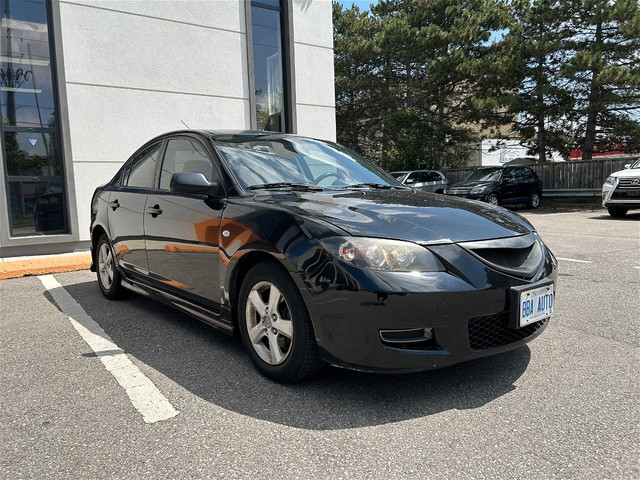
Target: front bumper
[(626, 197), (464, 315)]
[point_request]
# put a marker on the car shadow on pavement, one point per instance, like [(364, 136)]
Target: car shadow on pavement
[(633, 216), (214, 366)]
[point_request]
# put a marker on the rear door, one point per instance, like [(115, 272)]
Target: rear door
[(126, 211), (182, 230)]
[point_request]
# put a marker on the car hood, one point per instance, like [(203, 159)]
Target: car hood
[(627, 173), (479, 183), (403, 215)]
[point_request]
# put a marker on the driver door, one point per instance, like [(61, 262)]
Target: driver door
[(182, 230)]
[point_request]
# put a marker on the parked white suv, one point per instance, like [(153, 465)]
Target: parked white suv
[(621, 191)]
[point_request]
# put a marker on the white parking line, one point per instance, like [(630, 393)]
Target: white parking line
[(573, 260), (144, 395)]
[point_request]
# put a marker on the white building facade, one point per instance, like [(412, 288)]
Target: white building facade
[(85, 83), (492, 152)]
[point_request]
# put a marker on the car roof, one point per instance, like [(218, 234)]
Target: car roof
[(484, 167), (226, 134)]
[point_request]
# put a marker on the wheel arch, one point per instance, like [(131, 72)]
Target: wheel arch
[(240, 270), (496, 193), (98, 231)]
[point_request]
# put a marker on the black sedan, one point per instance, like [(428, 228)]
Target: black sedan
[(314, 255)]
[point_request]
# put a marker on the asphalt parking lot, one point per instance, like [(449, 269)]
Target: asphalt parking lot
[(564, 406)]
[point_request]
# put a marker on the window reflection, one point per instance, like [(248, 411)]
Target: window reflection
[(268, 65), (34, 176)]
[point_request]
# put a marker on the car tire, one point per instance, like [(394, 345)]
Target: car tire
[(493, 199), (280, 343), (617, 212), (534, 200), (109, 279)]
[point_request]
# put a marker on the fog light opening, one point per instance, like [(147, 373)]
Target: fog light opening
[(410, 339)]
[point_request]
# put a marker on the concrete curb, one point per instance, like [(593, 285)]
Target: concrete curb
[(42, 264)]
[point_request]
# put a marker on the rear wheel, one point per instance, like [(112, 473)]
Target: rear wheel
[(275, 326), (534, 200), (493, 199), (109, 279), (617, 212)]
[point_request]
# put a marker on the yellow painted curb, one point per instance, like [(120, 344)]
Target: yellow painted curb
[(43, 265)]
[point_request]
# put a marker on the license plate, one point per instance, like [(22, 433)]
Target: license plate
[(533, 304)]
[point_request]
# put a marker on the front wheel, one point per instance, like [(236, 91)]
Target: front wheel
[(275, 326), (493, 199), (617, 212), (109, 279)]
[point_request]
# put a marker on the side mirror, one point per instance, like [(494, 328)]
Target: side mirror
[(507, 178), (194, 183), (628, 165), (409, 181)]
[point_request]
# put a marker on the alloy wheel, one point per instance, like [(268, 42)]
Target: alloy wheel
[(106, 266), (535, 200), (269, 323)]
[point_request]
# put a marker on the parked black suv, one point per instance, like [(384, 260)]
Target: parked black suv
[(499, 185)]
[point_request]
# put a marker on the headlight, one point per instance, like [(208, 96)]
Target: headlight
[(382, 254), (479, 189), (612, 181)]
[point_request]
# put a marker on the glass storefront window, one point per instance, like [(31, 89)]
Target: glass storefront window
[(268, 65), (31, 153)]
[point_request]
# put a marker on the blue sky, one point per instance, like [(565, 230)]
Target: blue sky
[(362, 4)]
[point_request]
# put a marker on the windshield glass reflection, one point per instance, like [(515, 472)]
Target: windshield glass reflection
[(258, 160), (484, 175)]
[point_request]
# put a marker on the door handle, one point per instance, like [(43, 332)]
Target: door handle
[(154, 211), (114, 205)]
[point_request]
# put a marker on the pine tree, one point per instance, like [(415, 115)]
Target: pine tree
[(540, 99), (604, 70)]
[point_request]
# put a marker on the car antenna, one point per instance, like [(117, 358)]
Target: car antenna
[(185, 125)]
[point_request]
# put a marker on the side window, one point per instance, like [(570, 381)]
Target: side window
[(529, 175), (509, 172), (433, 177), (415, 177), (143, 171), (184, 155), (520, 174)]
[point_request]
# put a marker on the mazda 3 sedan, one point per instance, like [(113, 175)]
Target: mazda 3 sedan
[(314, 255)]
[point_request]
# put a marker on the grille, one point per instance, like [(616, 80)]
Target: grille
[(628, 183), (492, 331), (520, 256), (458, 191), (507, 257), (626, 194)]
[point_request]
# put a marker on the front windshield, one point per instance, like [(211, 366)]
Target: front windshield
[(257, 161), (484, 175)]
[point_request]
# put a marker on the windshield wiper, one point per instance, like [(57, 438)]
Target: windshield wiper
[(297, 186), (370, 185)]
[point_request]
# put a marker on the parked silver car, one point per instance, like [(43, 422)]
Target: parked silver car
[(424, 180)]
